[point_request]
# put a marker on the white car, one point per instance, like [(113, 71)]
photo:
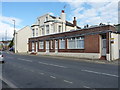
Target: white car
[(1, 57)]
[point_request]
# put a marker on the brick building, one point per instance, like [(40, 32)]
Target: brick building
[(100, 42)]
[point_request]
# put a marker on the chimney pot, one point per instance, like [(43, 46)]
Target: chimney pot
[(74, 22), (74, 18), (63, 11)]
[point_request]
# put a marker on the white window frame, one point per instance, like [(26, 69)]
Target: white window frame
[(43, 32), (59, 28), (72, 40), (81, 39), (36, 31), (41, 44), (33, 32), (47, 29), (52, 28), (74, 44), (46, 19), (62, 44)]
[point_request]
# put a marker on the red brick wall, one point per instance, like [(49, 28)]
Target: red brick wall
[(30, 47), (92, 44)]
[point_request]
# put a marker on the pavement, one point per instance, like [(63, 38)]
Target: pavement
[(35, 71)]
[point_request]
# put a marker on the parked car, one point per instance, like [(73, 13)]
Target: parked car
[(1, 57)]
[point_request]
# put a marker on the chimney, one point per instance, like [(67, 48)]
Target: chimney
[(74, 22), (63, 11), (63, 16)]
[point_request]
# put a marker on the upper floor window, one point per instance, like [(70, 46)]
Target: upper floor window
[(59, 29), (47, 29), (52, 28), (43, 31), (39, 22), (33, 32), (46, 18), (36, 31)]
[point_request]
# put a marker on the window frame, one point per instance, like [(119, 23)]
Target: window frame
[(41, 43), (33, 32), (59, 28), (61, 46), (75, 43), (47, 29)]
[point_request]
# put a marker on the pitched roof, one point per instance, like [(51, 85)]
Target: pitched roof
[(53, 16), (70, 24)]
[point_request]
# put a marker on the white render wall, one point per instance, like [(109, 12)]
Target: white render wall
[(115, 46), (58, 21), (21, 40)]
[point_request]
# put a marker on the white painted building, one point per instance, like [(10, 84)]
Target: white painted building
[(21, 39), (48, 24), (115, 46)]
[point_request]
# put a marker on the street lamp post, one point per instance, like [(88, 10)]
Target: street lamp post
[(14, 37), (14, 28)]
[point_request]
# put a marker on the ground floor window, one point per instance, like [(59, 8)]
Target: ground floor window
[(62, 43), (76, 43), (41, 45)]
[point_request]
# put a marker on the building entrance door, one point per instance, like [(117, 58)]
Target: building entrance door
[(103, 47)]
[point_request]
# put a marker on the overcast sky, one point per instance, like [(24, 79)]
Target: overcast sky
[(25, 13)]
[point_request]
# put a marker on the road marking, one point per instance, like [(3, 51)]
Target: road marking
[(57, 65), (24, 59), (44, 63), (25, 68), (53, 77), (9, 57), (67, 81), (52, 65), (86, 87), (10, 84), (41, 73), (32, 70), (100, 73)]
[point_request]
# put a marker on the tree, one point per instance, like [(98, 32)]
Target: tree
[(11, 44)]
